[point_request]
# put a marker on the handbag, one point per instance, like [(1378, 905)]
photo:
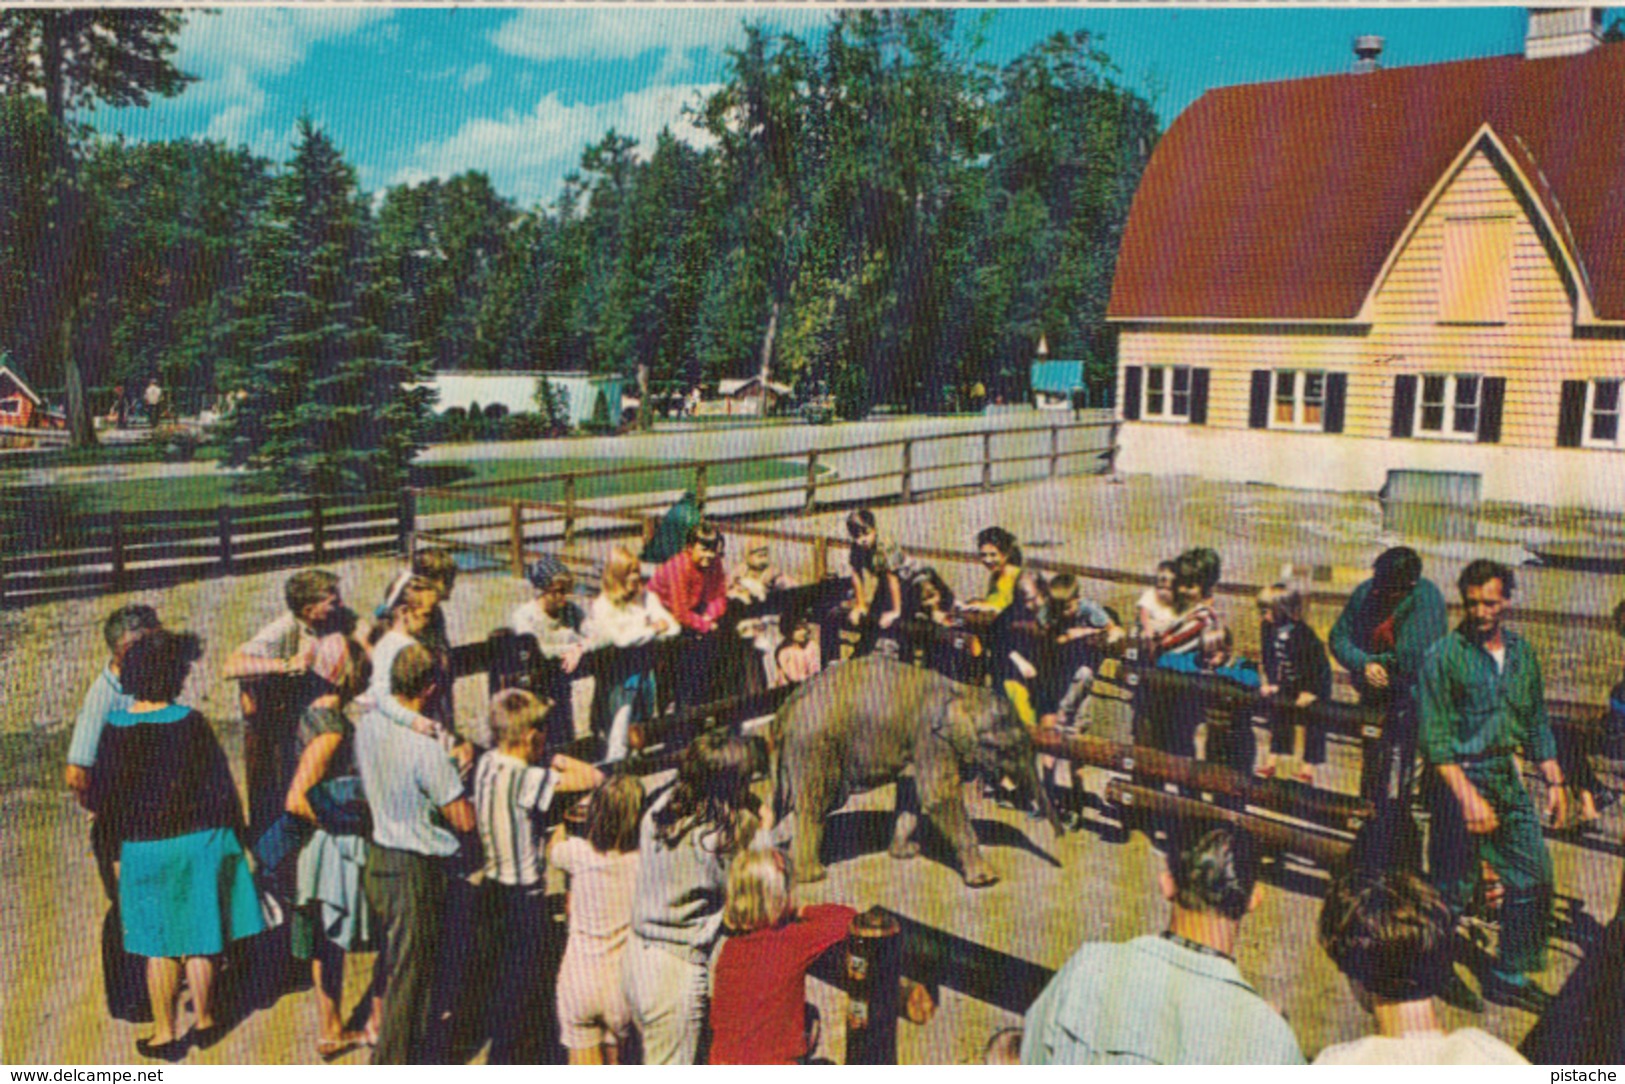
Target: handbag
[(341, 807)]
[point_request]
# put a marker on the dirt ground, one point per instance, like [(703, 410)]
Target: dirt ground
[(1100, 883)]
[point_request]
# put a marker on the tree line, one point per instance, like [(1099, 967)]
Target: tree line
[(878, 215)]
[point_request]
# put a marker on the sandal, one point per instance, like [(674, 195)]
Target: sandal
[(328, 1049)]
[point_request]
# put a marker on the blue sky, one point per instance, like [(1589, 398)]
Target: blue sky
[(418, 92)]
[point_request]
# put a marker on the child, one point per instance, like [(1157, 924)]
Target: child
[(594, 1017), (1215, 656), (625, 616), (758, 577), (876, 603), (556, 624), (406, 615), (759, 998), (954, 655), (1296, 672), (1154, 611), (752, 583), (797, 657), (1074, 633), (509, 790), (1194, 580)]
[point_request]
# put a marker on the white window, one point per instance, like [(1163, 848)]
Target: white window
[(1475, 276), (1167, 392), (1602, 414), (11, 406), (1448, 405), (1300, 399)]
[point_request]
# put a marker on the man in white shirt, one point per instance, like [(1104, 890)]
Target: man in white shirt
[(1390, 933)]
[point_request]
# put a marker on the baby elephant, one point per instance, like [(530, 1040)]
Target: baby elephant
[(863, 723)]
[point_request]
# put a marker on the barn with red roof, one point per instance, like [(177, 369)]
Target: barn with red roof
[(1324, 280)]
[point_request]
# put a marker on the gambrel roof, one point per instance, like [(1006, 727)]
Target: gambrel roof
[(1283, 202)]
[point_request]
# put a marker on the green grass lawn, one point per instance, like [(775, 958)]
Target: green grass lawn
[(213, 490)]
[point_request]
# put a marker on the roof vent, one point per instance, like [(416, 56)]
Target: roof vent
[(1367, 48), (1562, 32)]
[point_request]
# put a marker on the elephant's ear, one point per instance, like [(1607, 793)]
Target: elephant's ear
[(956, 725)]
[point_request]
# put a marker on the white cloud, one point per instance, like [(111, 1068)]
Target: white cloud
[(476, 75), (230, 52), (528, 154), (624, 33)]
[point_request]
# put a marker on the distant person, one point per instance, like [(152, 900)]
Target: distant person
[(1380, 638), (272, 667), (1390, 934), (759, 994), (694, 589), (1482, 702), (418, 811), (602, 866), (1174, 999), (185, 890), (153, 397), (1296, 674), (1575, 748)]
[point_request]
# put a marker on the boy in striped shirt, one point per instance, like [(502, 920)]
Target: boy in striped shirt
[(511, 788)]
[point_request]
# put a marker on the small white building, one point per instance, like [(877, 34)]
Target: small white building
[(515, 389)]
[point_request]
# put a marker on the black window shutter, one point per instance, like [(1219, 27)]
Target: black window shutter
[(1337, 393), (1489, 415), (1571, 414), (1404, 406), (1131, 393), (1258, 409), (1199, 396)]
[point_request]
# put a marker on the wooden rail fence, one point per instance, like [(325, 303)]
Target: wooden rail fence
[(48, 555)]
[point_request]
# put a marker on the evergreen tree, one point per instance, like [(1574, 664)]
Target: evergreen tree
[(326, 407)]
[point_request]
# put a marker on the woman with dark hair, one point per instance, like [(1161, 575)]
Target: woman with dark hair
[(185, 891), (688, 838), (1012, 597)]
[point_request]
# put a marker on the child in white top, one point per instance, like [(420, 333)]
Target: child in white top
[(1155, 612), (603, 870), (626, 616)]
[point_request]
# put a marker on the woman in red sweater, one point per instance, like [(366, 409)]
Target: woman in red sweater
[(759, 988)]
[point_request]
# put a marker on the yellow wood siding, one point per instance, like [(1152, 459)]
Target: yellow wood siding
[(1536, 349)]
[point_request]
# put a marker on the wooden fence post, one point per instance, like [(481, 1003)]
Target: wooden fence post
[(1111, 447), (874, 967), (908, 471), (1054, 450), (820, 558), (569, 509), (223, 520), (516, 537), (118, 549), (4, 602), (987, 460), (318, 529), (812, 481), (407, 527), (650, 525), (699, 486)]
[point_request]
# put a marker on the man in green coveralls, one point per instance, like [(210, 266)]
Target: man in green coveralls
[(1481, 699)]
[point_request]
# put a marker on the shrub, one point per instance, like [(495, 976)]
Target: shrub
[(852, 396), (175, 443), (495, 412)]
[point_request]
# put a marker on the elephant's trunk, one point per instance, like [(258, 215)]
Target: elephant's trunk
[(1041, 801)]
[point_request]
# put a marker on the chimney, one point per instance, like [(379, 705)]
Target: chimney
[(1562, 32), (1367, 48)]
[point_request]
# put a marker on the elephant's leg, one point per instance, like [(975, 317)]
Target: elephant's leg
[(908, 818), (954, 823), (811, 800)]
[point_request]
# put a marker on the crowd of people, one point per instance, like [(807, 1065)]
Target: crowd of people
[(375, 823)]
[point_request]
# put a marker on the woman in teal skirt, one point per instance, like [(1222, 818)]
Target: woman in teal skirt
[(185, 890)]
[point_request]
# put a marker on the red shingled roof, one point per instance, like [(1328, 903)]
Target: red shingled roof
[(1281, 201)]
